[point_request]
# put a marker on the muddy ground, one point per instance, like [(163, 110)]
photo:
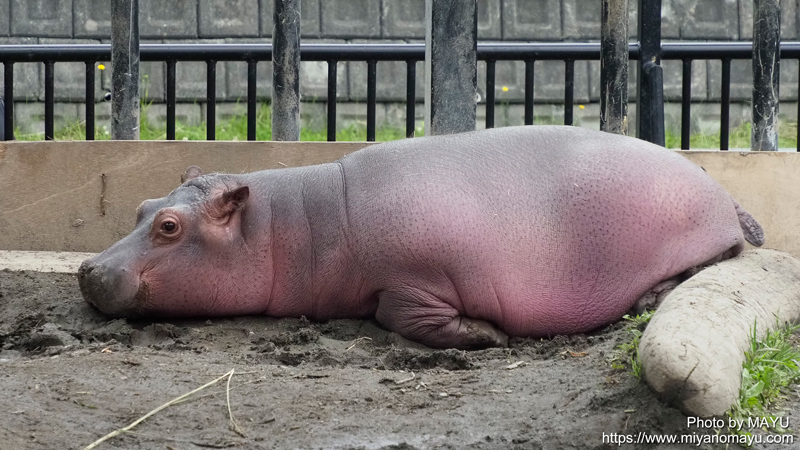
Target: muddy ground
[(69, 375)]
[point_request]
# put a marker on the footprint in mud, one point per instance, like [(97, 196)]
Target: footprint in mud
[(48, 335), (417, 359)]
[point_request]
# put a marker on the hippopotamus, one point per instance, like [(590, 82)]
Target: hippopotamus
[(453, 241)]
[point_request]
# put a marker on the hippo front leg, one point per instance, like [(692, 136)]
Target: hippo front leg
[(424, 318)]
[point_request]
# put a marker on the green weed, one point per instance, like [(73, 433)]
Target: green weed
[(771, 366), (626, 354)]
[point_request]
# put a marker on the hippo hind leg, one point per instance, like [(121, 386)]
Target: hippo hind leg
[(727, 254), (653, 297), (424, 318)]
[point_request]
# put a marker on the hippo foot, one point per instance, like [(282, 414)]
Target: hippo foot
[(424, 318), (652, 298), (479, 333)]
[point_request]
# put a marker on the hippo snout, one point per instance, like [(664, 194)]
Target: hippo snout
[(111, 289)]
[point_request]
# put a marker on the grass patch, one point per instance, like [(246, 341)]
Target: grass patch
[(626, 354), (739, 137), (233, 129), (771, 366)]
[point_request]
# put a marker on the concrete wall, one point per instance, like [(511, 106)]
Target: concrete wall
[(86, 21), (81, 196)]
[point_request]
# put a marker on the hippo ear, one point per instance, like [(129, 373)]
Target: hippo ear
[(190, 173), (229, 201)]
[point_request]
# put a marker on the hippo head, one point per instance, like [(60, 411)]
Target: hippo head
[(180, 258)]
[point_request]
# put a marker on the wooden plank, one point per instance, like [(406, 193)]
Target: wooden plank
[(50, 192), (764, 184)]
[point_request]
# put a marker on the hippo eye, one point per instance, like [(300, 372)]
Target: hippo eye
[(169, 227), (166, 228)]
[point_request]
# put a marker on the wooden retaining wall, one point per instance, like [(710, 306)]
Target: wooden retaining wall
[(51, 192)]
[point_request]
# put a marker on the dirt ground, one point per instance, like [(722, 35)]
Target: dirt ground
[(69, 375)]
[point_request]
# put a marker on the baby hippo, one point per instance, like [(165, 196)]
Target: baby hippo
[(452, 241)]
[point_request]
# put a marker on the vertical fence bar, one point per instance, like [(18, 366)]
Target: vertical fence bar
[(372, 80), (654, 75), (332, 100), (211, 100), (49, 100), (490, 83), (648, 111), (286, 70), (614, 66), (569, 91), (124, 69), (411, 97), (171, 100), (766, 74), (251, 99), (529, 65), (686, 104), (451, 48), (8, 100), (725, 113), (90, 100)]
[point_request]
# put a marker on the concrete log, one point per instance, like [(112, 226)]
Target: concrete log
[(693, 349)]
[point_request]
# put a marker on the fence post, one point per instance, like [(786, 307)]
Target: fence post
[(286, 71), (2, 122), (125, 69), (614, 67), (451, 77), (650, 123), (766, 74)]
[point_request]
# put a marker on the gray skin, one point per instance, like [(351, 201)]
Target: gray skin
[(452, 241)]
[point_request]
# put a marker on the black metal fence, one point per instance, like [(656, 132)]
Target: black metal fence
[(371, 54)]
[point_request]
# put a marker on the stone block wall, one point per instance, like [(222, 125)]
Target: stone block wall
[(358, 21)]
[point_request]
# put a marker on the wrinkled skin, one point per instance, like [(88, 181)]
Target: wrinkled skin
[(452, 241)]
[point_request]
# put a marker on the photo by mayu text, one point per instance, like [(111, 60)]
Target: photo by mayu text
[(695, 438)]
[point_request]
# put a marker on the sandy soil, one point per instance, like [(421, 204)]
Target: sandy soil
[(69, 375)]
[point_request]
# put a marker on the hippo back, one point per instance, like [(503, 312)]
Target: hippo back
[(540, 230)]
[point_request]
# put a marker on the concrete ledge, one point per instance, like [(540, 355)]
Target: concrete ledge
[(81, 196), (58, 262)]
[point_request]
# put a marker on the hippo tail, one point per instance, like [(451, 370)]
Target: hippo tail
[(753, 232)]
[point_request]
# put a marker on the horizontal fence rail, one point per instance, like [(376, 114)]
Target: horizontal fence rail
[(332, 54)]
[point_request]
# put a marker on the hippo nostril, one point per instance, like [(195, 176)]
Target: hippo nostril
[(85, 270)]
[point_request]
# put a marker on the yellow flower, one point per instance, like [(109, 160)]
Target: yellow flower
[(581, 107), (101, 67), (505, 88)]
